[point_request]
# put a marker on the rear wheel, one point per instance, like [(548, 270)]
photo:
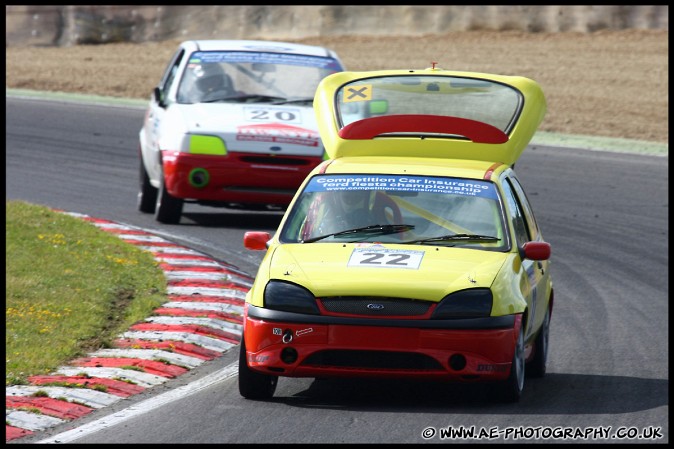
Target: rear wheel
[(254, 385), (168, 208), (537, 366), (511, 389), (147, 195)]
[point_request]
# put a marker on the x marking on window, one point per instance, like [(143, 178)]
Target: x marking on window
[(358, 93)]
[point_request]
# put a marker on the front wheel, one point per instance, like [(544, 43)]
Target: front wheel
[(538, 364), (168, 208), (147, 194), (254, 385), (511, 389)]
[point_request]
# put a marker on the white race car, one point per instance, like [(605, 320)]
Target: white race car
[(231, 124)]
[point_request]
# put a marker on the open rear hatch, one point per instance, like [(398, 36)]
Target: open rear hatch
[(428, 113)]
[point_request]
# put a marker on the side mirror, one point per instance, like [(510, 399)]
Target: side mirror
[(157, 96), (536, 250), (256, 240)]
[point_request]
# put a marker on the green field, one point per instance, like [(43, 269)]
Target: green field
[(71, 288)]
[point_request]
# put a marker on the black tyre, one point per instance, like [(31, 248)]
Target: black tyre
[(511, 389), (147, 194), (537, 366), (168, 208), (254, 385)]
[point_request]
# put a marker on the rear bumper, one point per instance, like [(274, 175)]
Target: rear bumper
[(236, 177), (458, 350)]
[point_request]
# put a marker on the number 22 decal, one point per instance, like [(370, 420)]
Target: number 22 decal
[(383, 258), (395, 259)]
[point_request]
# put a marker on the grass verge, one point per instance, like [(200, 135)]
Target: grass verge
[(71, 288)]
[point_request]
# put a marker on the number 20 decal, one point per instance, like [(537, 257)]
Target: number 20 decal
[(265, 114), (383, 258)]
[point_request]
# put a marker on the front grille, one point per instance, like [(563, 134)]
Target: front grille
[(375, 306), (373, 360)]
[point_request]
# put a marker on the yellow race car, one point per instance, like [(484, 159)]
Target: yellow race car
[(413, 252)]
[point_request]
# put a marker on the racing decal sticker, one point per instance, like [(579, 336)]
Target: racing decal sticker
[(361, 92), (403, 183), (492, 368), (385, 258), (265, 58), (266, 114), (278, 133)]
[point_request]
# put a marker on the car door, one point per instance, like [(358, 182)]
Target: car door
[(535, 281), (543, 281), (159, 103)]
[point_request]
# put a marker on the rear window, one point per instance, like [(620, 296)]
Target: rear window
[(480, 100)]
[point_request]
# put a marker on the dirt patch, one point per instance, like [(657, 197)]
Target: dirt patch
[(607, 83)]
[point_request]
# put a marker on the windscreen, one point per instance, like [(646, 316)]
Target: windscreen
[(398, 209)]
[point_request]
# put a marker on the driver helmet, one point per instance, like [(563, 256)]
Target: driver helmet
[(353, 200), (211, 78)]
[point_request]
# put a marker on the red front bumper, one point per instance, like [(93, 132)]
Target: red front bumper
[(236, 177), (337, 350)]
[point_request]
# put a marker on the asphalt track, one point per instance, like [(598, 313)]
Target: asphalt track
[(191, 284), (540, 138)]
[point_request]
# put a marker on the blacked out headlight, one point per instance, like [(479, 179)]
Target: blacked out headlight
[(471, 303), (289, 297)]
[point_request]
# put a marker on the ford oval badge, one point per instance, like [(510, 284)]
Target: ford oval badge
[(375, 306)]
